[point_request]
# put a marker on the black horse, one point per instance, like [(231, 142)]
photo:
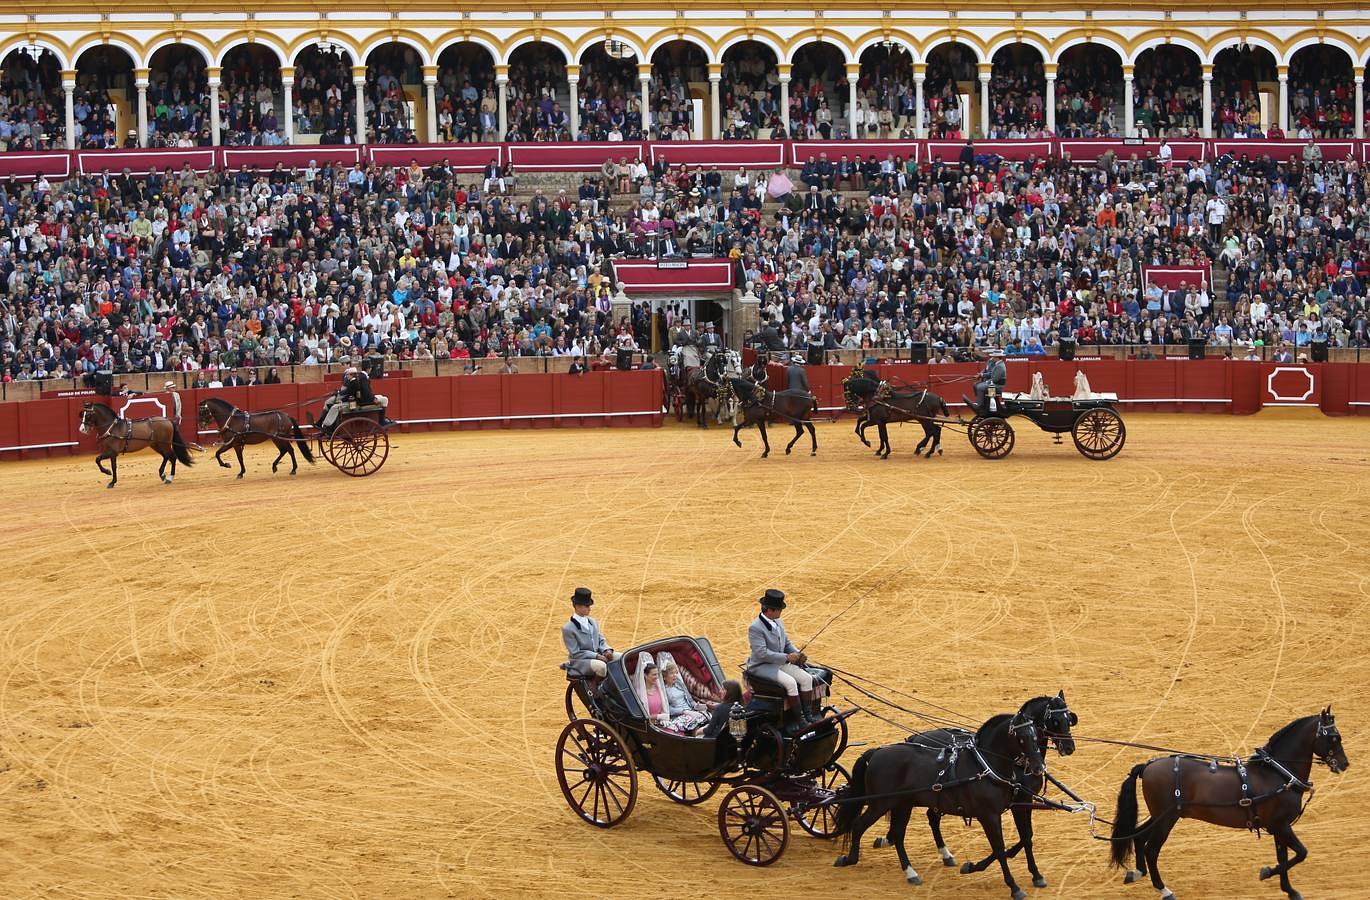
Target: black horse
[(1053, 720), (760, 404), (701, 386), (948, 770), (1266, 791), (881, 404)]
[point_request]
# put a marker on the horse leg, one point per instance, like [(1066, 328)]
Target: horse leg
[(282, 449), (798, 433), (1022, 817), (1284, 840), (238, 449), (101, 466), (766, 442), (219, 457), (899, 823), (936, 440), (1160, 830), (885, 447), (113, 470), (861, 424), (994, 830), (918, 451), (935, 824), (865, 820), (813, 439), (737, 426), (161, 470)]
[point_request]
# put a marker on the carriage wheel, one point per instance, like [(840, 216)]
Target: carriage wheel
[(678, 404), (596, 773), (577, 703), (358, 447), (991, 436), (842, 734), (324, 449), (1099, 433), (753, 825), (821, 821), (686, 793)]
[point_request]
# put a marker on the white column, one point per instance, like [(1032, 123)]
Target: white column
[(715, 104), (785, 99), (430, 96), (1284, 99), (1208, 102), (644, 80), (502, 84), (359, 84), (140, 81), (288, 101), (69, 86), (573, 78), (1128, 125), (984, 104), (920, 120), (853, 75), (1050, 100), (215, 125), (1360, 103)]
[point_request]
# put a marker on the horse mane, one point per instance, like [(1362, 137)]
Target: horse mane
[(993, 722), (743, 388), (1285, 732)]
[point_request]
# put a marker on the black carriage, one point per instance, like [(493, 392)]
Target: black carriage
[(1095, 426), (772, 776)]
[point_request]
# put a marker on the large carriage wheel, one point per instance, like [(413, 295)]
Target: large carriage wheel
[(821, 821), (358, 447), (686, 793), (596, 773), (753, 825), (1099, 433), (991, 436)]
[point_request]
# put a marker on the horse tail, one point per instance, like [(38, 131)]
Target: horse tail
[(178, 446), (1125, 818), (301, 440), (847, 812), (946, 413)]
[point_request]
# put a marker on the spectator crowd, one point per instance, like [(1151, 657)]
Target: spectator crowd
[(205, 272)]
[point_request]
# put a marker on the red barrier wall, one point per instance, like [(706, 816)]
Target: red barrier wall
[(49, 427)]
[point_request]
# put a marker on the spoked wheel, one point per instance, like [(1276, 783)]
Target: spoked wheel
[(325, 448), (1099, 433), (991, 436), (596, 773), (576, 705), (678, 404), (821, 821), (753, 825), (841, 733), (686, 793), (358, 447)]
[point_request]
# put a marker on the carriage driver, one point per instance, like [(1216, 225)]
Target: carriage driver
[(587, 651), (775, 658), (994, 373), (356, 389)]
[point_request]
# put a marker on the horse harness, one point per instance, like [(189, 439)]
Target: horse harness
[(126, 432), (1247, 801)]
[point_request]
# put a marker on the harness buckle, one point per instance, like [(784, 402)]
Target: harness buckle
[(937, 787), (1245, 801)]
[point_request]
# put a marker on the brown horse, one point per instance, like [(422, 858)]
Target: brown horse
[(881, 404), (238, 428), (115, 435), (1265, 791), (758, 405)]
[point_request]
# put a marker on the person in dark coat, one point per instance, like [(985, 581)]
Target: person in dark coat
[(796, 379)]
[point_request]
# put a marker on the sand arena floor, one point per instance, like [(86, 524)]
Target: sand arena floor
[(324, 687)]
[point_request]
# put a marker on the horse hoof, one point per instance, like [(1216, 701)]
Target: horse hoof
[(1295, 895), (240, 476), (110, 485), (1131, 876), (787, 451), (881, 843), (1266, 872), (966, 868), (948, 858), (1039, 882), (913, 878), (813, 452), (939, 451), (1019, 894), (292, 471), (841, 862)]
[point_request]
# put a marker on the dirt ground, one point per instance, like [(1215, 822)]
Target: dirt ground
[(327, 687)]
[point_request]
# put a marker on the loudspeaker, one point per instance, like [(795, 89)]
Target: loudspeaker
[(624, 359), (918, 354), (814, 355), (104, 383), (1319, 350), (374, 366), (1196, 348), (1067, 348)]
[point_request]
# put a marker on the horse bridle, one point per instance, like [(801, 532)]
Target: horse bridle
[(1328, 727), (1016, 724), (1052, 711)]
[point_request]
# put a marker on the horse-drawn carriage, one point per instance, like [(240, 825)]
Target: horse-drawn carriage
[(693, 374), (1092, 422), (772, 775), (356, 445)]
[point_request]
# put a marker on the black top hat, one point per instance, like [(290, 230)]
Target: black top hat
[(773, 600), (582, 596)]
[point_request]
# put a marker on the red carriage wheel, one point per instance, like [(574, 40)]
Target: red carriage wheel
[(597, 776), (991, 436), (753, 825), (821, 821), (686, 793), (358, 447), (1099, 433)]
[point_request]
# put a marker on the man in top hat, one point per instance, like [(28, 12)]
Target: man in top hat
[(175, 398), (710, 338), (775, 658), (995, 373), (586, 650)]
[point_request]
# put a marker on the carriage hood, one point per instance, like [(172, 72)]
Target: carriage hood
[(693, 655)]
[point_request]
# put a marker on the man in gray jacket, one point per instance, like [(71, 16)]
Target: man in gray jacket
[(587, 651), (776, 658)]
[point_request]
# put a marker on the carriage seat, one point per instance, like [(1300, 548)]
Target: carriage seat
[(762, 686)]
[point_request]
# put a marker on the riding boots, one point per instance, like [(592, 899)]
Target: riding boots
[(809, 711)]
